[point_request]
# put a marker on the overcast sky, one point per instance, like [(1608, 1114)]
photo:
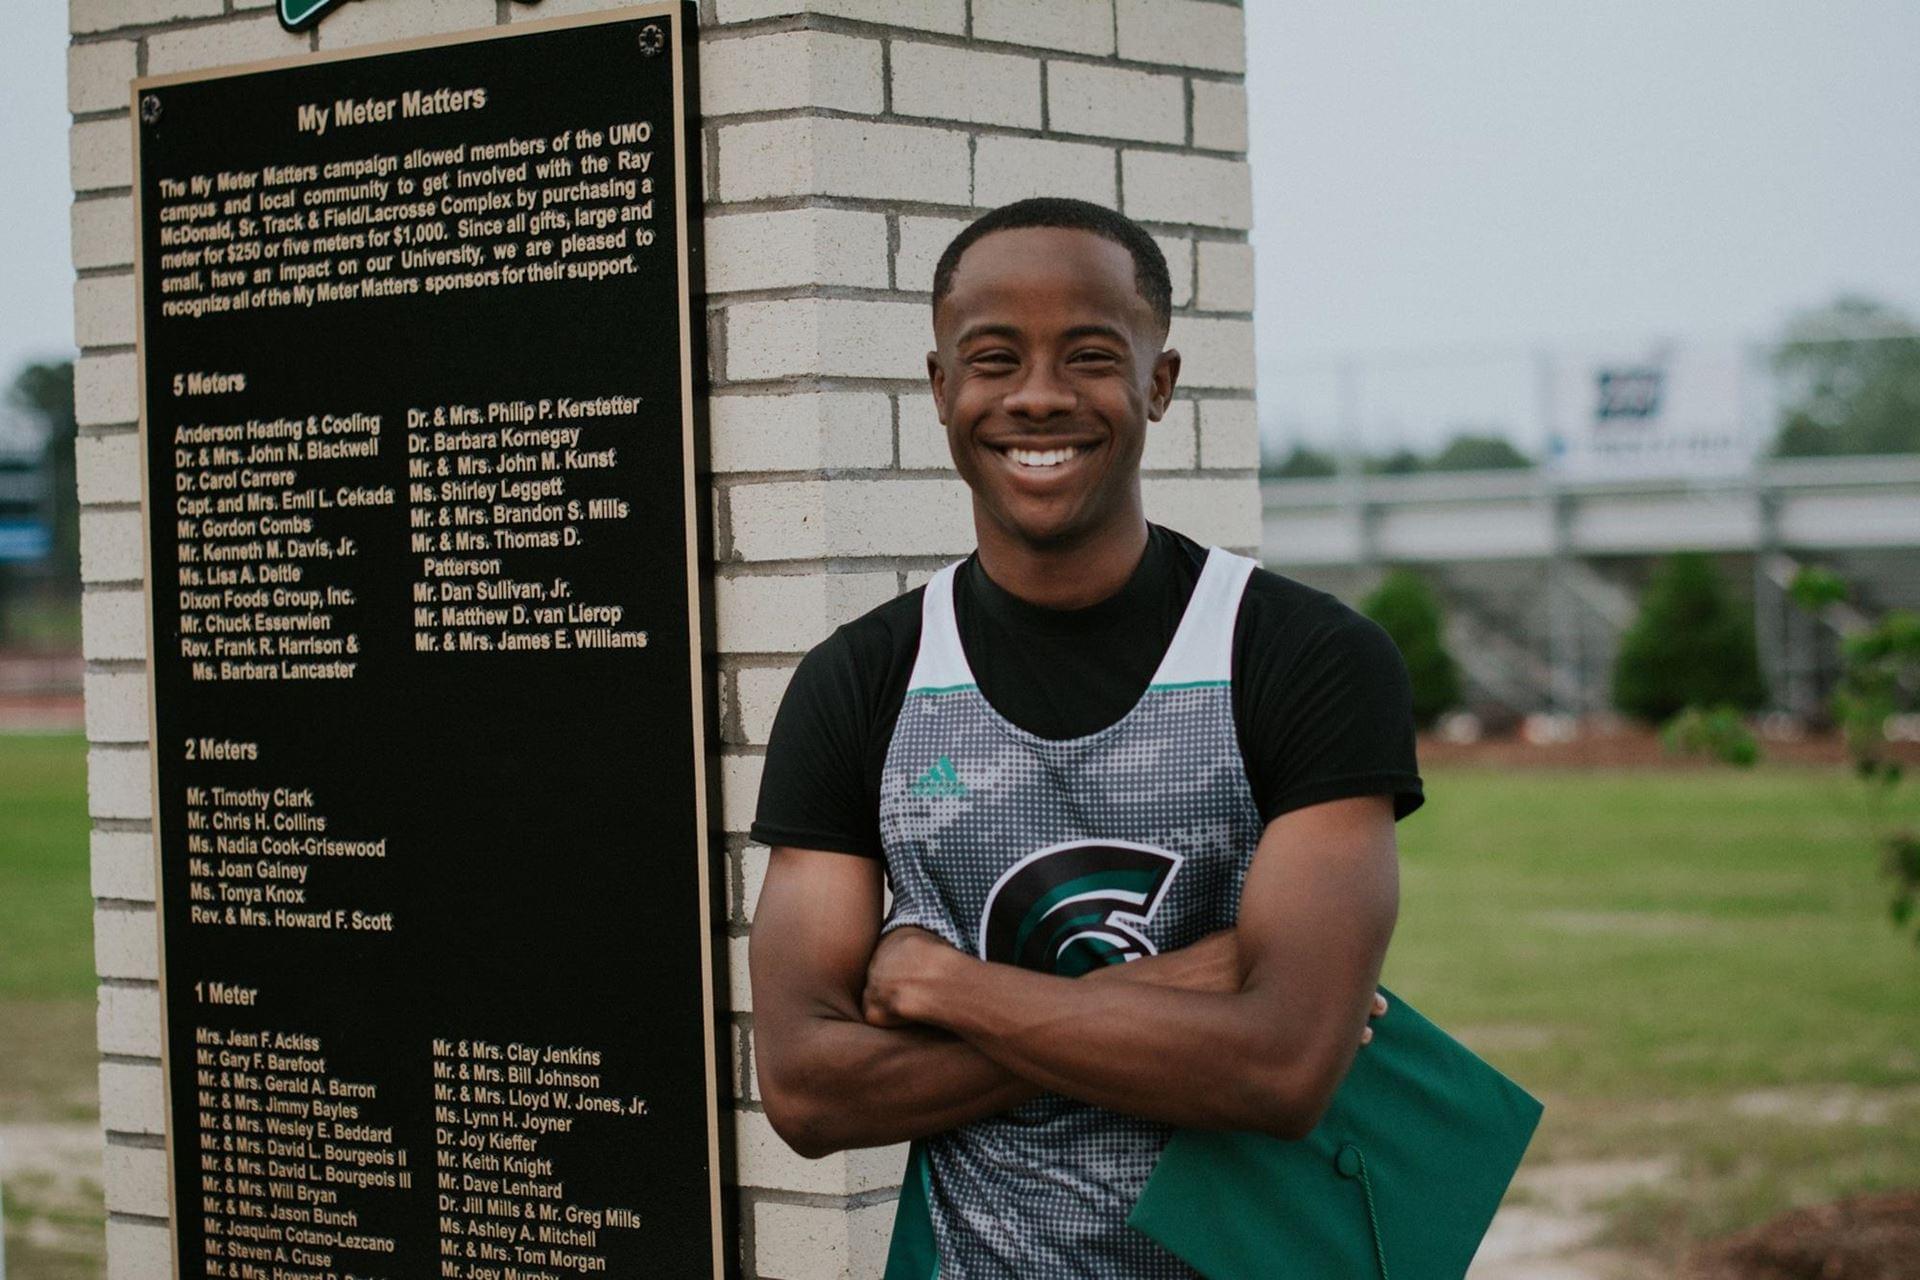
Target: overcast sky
[(1489, 175)]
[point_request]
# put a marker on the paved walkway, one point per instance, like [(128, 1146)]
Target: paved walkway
[(1549, 1234)]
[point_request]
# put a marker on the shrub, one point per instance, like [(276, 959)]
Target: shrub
[(1690, 646), (1879, 681), (1302, 464), (1718, 733), (1406, 609)]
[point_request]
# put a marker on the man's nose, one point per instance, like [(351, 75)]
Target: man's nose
[(1041, 393)]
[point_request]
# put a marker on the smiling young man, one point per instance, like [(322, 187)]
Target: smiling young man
[(1134, 798)]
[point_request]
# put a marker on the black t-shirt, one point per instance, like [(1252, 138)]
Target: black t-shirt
[(1320, 694)]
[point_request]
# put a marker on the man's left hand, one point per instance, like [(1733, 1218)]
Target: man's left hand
[(905, 958)]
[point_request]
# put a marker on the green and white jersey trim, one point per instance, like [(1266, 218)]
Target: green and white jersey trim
[(941, 665), (1201, 654)]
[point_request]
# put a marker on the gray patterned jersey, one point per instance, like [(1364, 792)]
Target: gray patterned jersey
[(1063, 856)]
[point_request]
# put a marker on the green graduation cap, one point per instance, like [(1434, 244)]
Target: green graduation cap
[(1398, 1182)]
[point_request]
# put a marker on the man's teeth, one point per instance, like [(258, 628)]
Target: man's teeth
[(1041, 458)]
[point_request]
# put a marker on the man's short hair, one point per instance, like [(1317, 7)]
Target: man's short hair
[(1149, 264)]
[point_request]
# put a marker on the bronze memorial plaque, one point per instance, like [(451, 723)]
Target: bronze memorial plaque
[(431, 792)]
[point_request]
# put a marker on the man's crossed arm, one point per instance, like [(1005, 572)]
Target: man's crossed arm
[(1251, 1028)]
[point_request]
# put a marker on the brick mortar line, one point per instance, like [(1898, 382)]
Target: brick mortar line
[(707, 29), (132, 1140), (754, 660), (712, 31), (797, 382), (768, 389), (129, 1060), (741, 480), (974, 129), (857, 204), (720, 511), (140, 30), (935, 209), (837, 24), (893, 250), (810, 382), (827, 567), (824, 1199), (828, 384), (868, 475), (720, 299), (895, 408)]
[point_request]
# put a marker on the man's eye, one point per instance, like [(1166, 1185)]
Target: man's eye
[(1093, 355), (992, 359)]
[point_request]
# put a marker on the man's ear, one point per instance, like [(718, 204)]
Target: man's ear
[(937, 382), (1166, 373)]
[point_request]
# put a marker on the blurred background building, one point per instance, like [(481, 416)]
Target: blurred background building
[(1535, 491)]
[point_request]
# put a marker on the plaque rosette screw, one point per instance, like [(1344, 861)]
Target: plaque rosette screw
[(652, 39), (150, 108)]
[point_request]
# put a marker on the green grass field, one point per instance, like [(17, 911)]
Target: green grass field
[(47, 1058), (1694, 966)]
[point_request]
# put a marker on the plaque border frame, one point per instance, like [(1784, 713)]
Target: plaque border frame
[(683, 30)]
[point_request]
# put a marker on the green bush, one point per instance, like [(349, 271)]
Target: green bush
[(1717, 733), (1690, 646), (1301, 464), (1406, 609), (1879, 679)]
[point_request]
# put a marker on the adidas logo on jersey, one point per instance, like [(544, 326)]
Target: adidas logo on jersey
[(941, 779)]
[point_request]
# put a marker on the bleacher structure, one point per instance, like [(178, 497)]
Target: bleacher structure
[(1540, 573)]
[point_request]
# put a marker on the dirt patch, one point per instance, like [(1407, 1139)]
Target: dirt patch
[(1842, 1105), (49, 1062), (42, 713), (1546, 1228), (40, 693), (55, 1216), (1874, 1237)]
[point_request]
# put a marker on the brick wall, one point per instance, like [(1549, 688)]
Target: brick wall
[(845, 142)]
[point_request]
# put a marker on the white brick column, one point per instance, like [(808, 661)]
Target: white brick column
[(845, 142)]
